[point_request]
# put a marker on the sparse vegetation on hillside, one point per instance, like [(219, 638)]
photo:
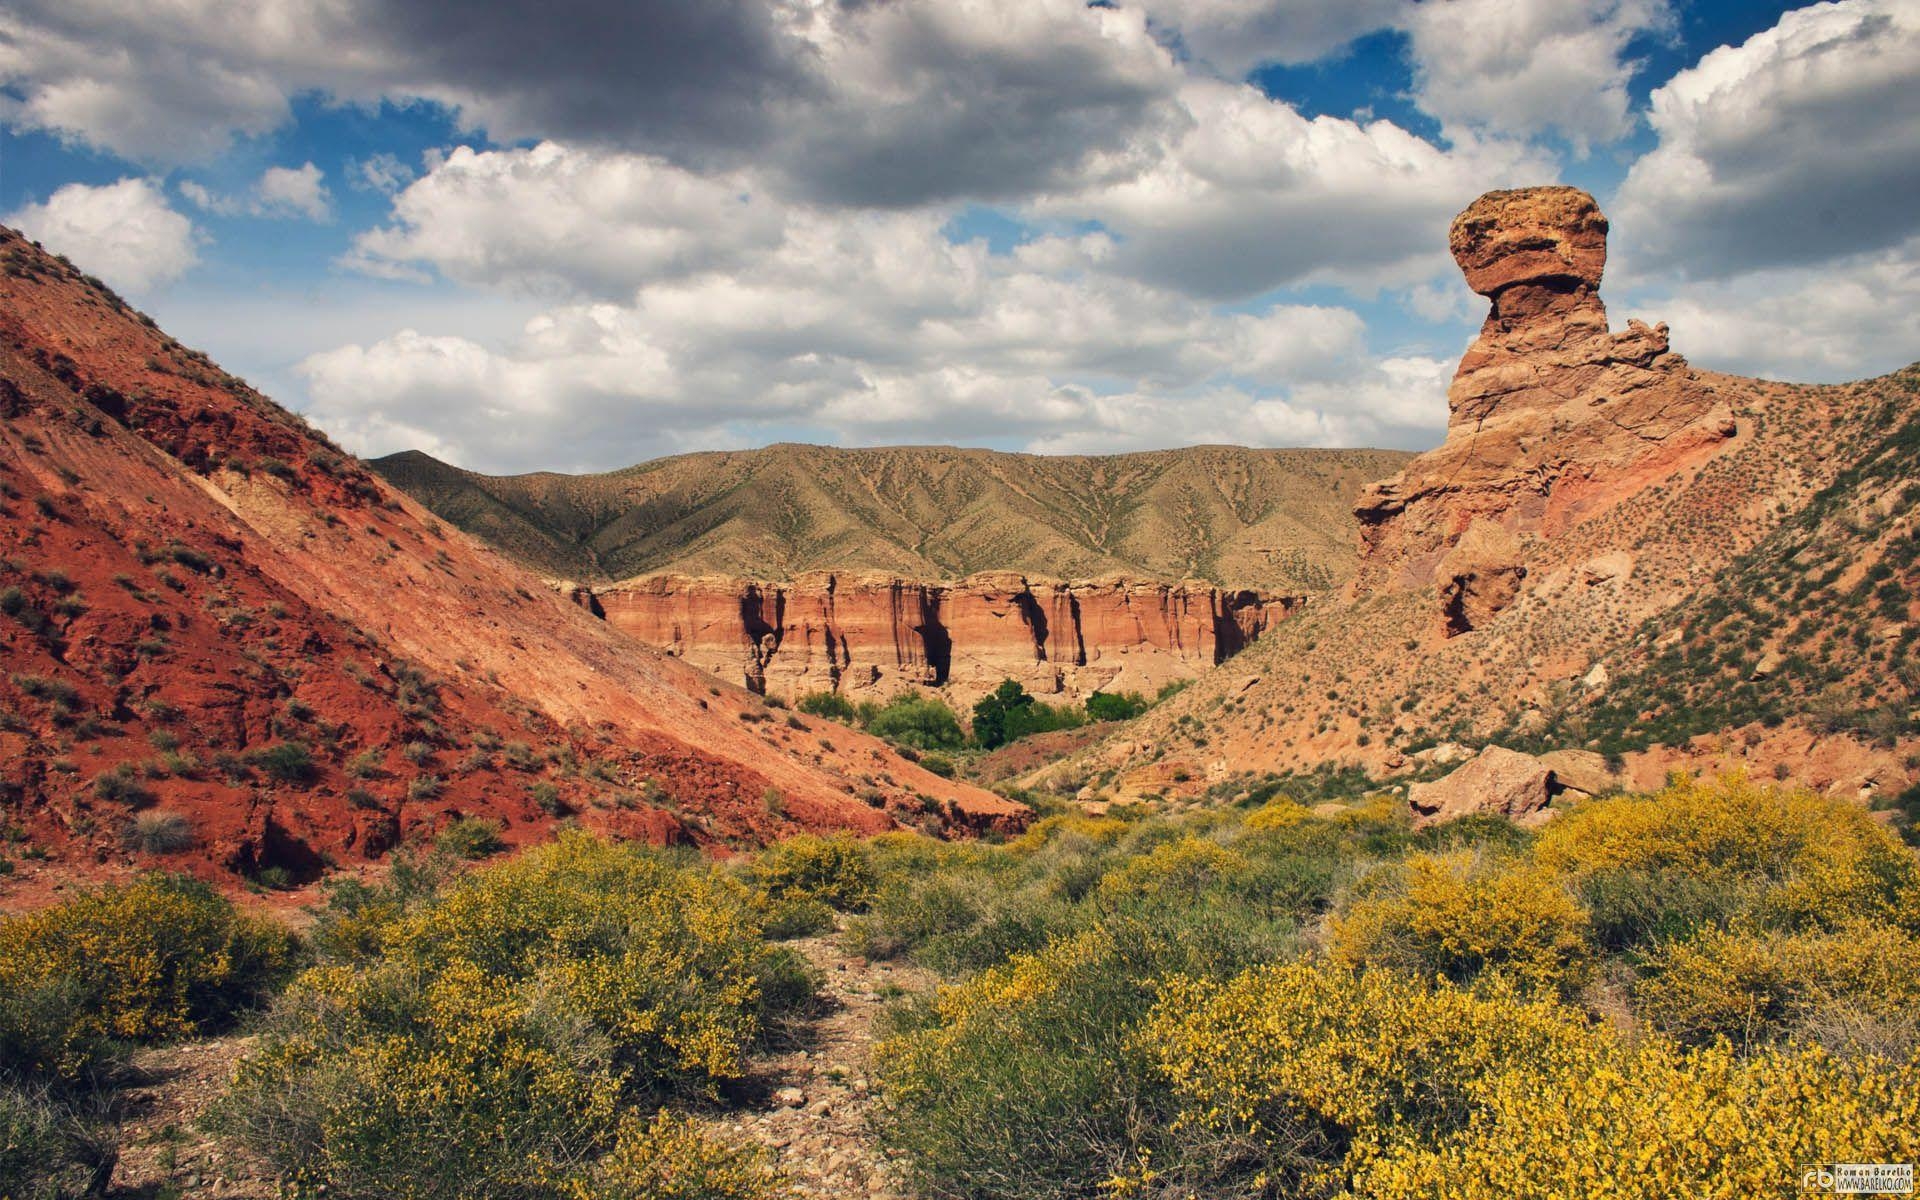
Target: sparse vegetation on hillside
[(1817, 623), (1260, 518)]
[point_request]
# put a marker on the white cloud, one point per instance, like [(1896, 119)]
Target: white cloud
[(1250, 195), (856, 326), (381, 172), (295, 191), (282, 192), (554, 219), (1837, 321), (1524, 67), (124, 232), (893, 104), (1799, 145)]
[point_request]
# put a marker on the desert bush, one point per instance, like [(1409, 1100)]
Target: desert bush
[(1306, 1064), (47, 1150), (837, 871), (668, 1158), (917, 721), (1460, 915), (1115, 706), (1793, 859), (285, 762), (1023, 1082), (794, 916), (488, 1045), (122, 786), (1379, 1085), (831, 705), (1860, 980), (469, 837), (1029, 1080), (162, 957), (1658, 1121), (353, 925), (157, 833)]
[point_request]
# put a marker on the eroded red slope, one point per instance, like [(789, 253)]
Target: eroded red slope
[(192, 579)]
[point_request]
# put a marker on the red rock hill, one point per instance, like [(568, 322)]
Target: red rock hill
[(209, 611)]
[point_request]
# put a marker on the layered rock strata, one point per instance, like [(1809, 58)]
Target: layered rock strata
[(870, 636), (1553, 418)]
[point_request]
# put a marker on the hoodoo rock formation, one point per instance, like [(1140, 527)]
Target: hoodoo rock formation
[(1553, 417), (874, 635)]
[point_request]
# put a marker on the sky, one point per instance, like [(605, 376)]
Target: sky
[(578, 234)]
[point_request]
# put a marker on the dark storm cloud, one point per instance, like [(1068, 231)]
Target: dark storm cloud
[(654, 74)]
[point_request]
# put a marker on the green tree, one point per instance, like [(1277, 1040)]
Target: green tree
[(998, 718)]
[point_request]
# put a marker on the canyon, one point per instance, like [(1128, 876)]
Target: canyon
[(1613, 550), (870, 636)]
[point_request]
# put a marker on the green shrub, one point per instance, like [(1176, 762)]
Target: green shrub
[(1008, 713), (795, 916), (162, 957), (121, 786), (831, 705), (489, 1045), (919, 722), (285, 762), (47, 1152), (836, 870), (938, 764), (469, 838), (1115, 706)]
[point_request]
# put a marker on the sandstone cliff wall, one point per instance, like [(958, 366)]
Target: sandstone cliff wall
[(869, 636)]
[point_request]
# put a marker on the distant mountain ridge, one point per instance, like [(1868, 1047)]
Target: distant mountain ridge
[(1276, 519)]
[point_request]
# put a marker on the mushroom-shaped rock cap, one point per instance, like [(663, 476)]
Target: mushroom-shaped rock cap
[(1555, 236)]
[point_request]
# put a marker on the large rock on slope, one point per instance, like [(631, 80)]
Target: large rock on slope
[(1498, 782), (1553, 418)]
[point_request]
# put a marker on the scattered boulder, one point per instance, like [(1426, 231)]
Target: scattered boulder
[(1498, 781), (1581, 771), (1597, 679)]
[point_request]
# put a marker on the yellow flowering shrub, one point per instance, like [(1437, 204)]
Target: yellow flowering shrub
[(1794, 857), (1751, 986), (488, 1048), (162, 957), (1657, 1122), (1170, 872), (1373, 1085), (1277, 814), (668, 1158), (835, 870), (1100, 831), (1460, 914), (1304, 1057)]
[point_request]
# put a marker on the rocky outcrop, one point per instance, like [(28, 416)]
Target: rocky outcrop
[(1480, 576), (1554, 418), (1498, 782), (1506, 783), (874, 634)]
